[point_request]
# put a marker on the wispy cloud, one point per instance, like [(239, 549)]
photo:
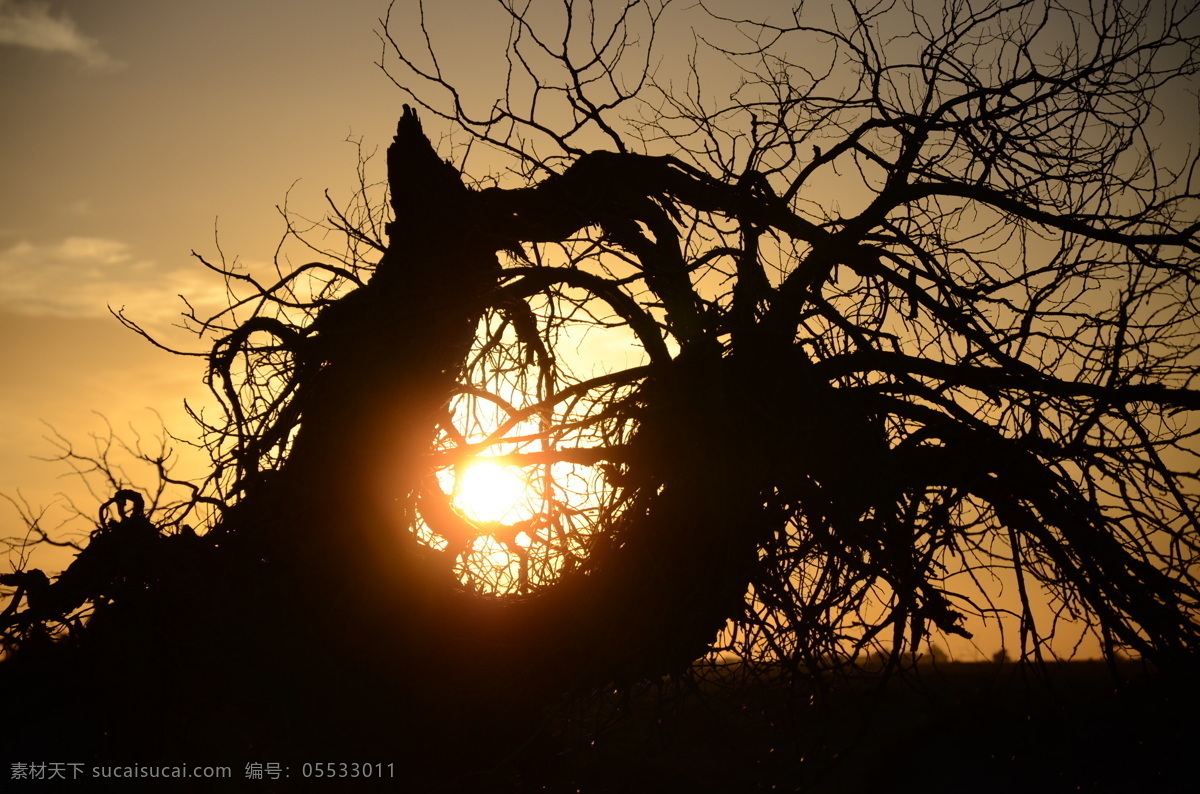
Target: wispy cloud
[(31, 24), (83, 276)]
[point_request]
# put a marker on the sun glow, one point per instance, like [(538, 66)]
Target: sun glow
[(487, 491), (514, 452)]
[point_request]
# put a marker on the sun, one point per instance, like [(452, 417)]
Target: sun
[(488, 491)]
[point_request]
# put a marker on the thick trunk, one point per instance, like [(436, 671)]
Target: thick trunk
[(338, 517)]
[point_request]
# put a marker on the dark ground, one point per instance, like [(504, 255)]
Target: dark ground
[(970, 727), (957, 727)]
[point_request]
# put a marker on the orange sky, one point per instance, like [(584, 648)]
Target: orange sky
[(128, 129)]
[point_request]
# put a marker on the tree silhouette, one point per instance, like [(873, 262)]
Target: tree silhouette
[(911, 326)]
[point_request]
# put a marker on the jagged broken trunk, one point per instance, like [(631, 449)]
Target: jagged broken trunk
[(660, 581)]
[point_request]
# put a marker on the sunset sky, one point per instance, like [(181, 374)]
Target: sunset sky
[(133, 130), (130, 131), (129, 128)]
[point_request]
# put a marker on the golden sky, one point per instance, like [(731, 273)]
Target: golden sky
[(130, 131), (129, 128)]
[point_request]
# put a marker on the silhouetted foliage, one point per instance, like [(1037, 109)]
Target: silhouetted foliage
[(908, 320)]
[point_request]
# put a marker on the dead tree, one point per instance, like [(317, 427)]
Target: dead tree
[(841, 430)]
